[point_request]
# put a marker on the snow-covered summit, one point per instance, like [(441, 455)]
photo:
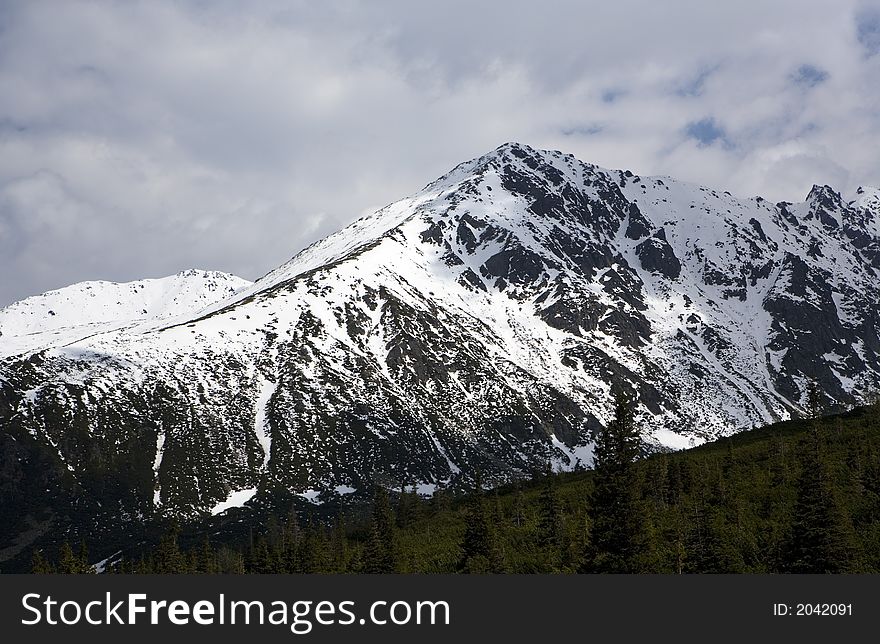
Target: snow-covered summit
[(85, 308)]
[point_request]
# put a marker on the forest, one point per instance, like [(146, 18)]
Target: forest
[(800, 496)]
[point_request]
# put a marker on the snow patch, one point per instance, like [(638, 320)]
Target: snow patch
[(311, 496), (261, 423), (426, 489), (157, 463), (574, 456), (101, 566), (235, 499)]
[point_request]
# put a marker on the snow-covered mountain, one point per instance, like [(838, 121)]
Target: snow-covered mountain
[(478, 323), (73, 313)]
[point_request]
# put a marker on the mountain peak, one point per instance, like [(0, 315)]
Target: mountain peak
[(513, 151), (496, 158), (478, 323), (825, 196), (510, 146)]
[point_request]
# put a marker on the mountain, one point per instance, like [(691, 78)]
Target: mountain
[(72, 314), (479, 323)]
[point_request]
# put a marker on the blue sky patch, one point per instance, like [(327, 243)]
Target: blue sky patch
[(809, 76), (694, 86), (868, 31), (611, 95), (706, 131)]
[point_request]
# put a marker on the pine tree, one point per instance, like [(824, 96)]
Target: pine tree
[(229, 562), (407, 507), (291, 540), (480, 552), (261, 559), (191, 561), (40, 565), (821, 539), (68, 562), (872, 402), (550, 523), (339, 545), (374, 559), (84, 566), (382, 553), (314, 552), (207, 560), (168, 558), (618, 533), (440, 499)]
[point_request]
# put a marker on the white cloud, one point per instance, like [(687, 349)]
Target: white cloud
[(139, 139)]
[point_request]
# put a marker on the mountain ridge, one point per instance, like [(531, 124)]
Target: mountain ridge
[(478, 324), (97, 306)]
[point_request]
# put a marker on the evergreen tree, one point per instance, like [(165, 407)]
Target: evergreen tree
[(479, 548), (872, 402), (191, 561), (229, 562), (70, 563), (168, 558), (144, 565), (760, 503), (84, 566), (618, 531), (207, 560), (261, 561), (407, 507), (381, 555), (67, 564), (821, 539), (374, 560), (339, 545), (316, 555), (550, 523), (40, 565), (440, 499), (291, 542)]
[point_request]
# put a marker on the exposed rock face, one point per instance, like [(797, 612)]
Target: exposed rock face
[(657, 256), (478, 323)]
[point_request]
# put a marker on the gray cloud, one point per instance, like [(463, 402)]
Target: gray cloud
[(141, 138)]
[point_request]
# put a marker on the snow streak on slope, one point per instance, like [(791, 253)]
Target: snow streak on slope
[(261, 428), (235, 499)]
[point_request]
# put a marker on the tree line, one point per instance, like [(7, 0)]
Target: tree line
[(801, 496)]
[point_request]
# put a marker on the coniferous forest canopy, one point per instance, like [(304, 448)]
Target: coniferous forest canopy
[(802, 496)]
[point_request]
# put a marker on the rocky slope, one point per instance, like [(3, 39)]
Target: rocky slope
[(476, 324)]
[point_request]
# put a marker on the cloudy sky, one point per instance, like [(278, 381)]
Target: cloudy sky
[(138, 139)]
